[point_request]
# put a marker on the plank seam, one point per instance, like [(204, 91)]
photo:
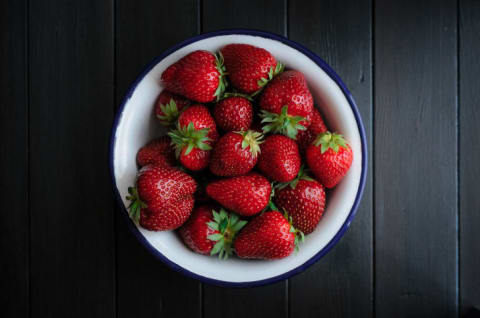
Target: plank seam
[(27, 89), (199, 16), (286, 17), (458, 162), (372, 121), (114, 89)]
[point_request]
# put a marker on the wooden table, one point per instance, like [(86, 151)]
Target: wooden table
[(413, 248)]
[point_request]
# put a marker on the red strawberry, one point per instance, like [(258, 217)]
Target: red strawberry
[(306, 137), (196, 160), (235, 153), (279, 158), (158, 222), (201, 118), (267, 236), (209, 232), (249, 67), (164, 197), (168, 106), (195, 134), (233, 113), (198, 76), (286, 104), (247, 195), (304, 201), (329, 157), (158, 151)]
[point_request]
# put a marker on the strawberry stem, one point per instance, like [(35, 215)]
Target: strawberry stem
[(222, 78), (299, 236), (282, 123), (189, 137), (302, 175), (228, 225), (271, 74), (136, 204), (236, 94), (272, 206), (328, 140), (170, 113), (251, 139)]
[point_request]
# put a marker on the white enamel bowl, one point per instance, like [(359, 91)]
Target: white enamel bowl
[(135, 125)]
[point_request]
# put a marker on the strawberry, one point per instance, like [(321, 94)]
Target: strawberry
[(162, 198), (235, 153), (247, 195), (286, 104), (306, 137), (279, 158), (329, 157), (158, 151), (168, 106), (195, 160), (267, 236), (158, 222), (233, 113), (199, 76), (249, 67), (200, 116), (208, 232), (194, 136), (304, 201)]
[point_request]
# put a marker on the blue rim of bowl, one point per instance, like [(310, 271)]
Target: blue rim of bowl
[(327, 69)]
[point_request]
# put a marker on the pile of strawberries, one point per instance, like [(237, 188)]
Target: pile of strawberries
[(231, 175)]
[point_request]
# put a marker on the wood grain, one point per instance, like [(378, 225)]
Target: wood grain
[(67, 252), (469, 156), (267, 301), (14, 219), (71, 93), (145, 286), (268, 15), (340, 284), (415, 159)]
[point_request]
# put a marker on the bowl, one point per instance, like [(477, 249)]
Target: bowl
[(135, 125)]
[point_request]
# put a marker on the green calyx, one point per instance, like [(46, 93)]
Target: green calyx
[(282, 123), (271, 205), (189, 137), (328, 140), (299, 236), (302, 175), (136, 204), (271, 74), (251, 139), (228, 225), (170, 113), (222, 78), (236, 94)]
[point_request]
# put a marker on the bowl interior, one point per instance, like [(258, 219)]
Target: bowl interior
[(137, 125)]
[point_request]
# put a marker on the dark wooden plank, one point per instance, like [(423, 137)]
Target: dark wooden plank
[(14, 220), (415, 158), (145, 286), (71, 97), (469, 157), (266, 301), (266, 15), (340, 284)]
